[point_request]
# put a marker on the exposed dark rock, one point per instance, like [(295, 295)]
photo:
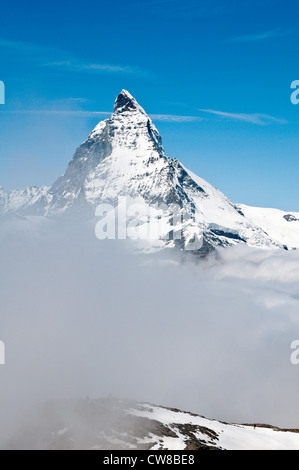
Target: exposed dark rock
[(290, 218)]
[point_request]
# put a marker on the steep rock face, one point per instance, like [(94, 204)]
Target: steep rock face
[(124, 157)]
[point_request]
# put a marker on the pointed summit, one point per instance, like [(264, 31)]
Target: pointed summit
[(126, 102), (124, 157)]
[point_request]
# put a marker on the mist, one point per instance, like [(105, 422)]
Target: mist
[(82, 317)]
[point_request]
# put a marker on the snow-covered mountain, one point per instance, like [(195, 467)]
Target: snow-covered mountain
[(124, 157), (280, 226), (24, 201), (111, 424)]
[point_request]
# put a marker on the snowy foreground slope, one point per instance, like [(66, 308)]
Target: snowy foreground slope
[(123, 157), (214, 433), (109, 424)]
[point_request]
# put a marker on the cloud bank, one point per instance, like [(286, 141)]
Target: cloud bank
[(84, 317)]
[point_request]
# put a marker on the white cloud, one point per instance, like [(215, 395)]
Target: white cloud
[(278, 32), (61, 112), (89, 319), (90, 67), (50, 57), (174, 118), (254, 118)]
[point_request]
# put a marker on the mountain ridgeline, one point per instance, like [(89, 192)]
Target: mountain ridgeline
[(123, 157)]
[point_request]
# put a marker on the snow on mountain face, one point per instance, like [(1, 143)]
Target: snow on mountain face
[(193, 432), (22, 200), (111, 424), (117, 159), (283, 227), (124, 157)]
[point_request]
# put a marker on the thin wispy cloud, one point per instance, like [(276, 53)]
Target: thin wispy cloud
[(174, 118), (255, 118), (102, 114), (82, 66), (261, 36), (61, 112), (73, 100), (50, 57)]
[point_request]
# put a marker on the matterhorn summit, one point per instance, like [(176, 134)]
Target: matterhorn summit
[(123, 157)]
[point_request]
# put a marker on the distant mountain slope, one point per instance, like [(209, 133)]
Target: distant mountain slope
[(28, 200), (110, 424), (283, 227)]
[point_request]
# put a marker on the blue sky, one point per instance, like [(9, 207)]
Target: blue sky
[(216, 74)]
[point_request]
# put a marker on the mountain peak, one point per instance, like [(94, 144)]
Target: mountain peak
[(126, 102)]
